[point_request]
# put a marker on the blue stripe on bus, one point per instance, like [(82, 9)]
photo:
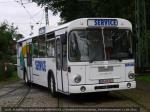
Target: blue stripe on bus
[(129, 64)]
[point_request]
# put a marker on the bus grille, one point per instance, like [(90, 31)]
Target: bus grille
[(107, 87)]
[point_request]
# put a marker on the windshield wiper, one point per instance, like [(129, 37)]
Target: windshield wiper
[(120, 56), (91, 60), (119, 59)]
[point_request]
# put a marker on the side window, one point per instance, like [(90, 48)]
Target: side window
[(42, 47), (75, 54), (35, 47), (51, 48), (58, 51), (39, 46), (64, 52), (50, 35), (29, 54)]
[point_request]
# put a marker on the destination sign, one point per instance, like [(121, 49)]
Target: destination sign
[(103, 22)]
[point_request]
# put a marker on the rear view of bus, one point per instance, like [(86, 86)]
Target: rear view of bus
[(100, 55)]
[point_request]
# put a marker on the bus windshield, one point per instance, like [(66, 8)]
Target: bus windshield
[(99, 45), (117, 44)]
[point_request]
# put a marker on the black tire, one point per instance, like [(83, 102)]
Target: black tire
[(52, 85)]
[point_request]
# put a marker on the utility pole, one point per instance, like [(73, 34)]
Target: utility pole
[(141, 46), (46, 16)]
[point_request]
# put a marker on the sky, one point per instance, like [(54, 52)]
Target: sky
[(24, 16)]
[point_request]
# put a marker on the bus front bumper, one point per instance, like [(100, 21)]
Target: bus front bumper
[(73, 89)]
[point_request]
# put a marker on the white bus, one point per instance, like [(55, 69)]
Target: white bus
[(82, 56)]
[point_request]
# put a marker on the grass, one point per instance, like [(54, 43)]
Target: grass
[(145, 78), (11, 79)]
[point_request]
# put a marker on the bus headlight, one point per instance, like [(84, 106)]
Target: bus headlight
[(77, 79), (131, 75)]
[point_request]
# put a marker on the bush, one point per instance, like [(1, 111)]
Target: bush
[(7, 50), (14, 59), (10, 70), (1, 71), (6, 74)]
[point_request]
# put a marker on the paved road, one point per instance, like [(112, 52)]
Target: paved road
[(20, 95)]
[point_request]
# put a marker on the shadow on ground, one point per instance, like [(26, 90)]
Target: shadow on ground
[(88, 98)]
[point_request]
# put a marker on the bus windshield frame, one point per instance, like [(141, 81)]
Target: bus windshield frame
[(99, 44)]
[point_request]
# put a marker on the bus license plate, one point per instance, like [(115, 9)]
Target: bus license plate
[(103, 81)]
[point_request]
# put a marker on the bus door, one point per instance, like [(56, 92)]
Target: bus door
[(29, 61), (61, 64)]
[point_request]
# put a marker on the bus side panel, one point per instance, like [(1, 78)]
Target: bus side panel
[(21, 55), (38, 70), (41, 66), (51, 65), (35, 75), (19, 70)]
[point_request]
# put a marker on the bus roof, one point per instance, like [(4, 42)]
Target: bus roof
[(83, 22)]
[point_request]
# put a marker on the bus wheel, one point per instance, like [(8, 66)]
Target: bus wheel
[(52, 86)]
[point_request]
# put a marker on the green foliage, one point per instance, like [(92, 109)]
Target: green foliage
[(7, 74), (10, 70), (6, 50), (148, 13), (148, 46), (14, 59), (14, 77), (73, 9), (145, 78), (5, 38), (1, 71)]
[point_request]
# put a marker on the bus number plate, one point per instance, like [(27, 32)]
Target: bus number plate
[(104, 81)]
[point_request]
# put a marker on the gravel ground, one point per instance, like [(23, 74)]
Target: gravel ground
[(140, 95), (40, 97)]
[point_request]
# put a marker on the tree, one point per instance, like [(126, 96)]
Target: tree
[(73, 9), (147, 13), (6, 49), (5, 38)]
